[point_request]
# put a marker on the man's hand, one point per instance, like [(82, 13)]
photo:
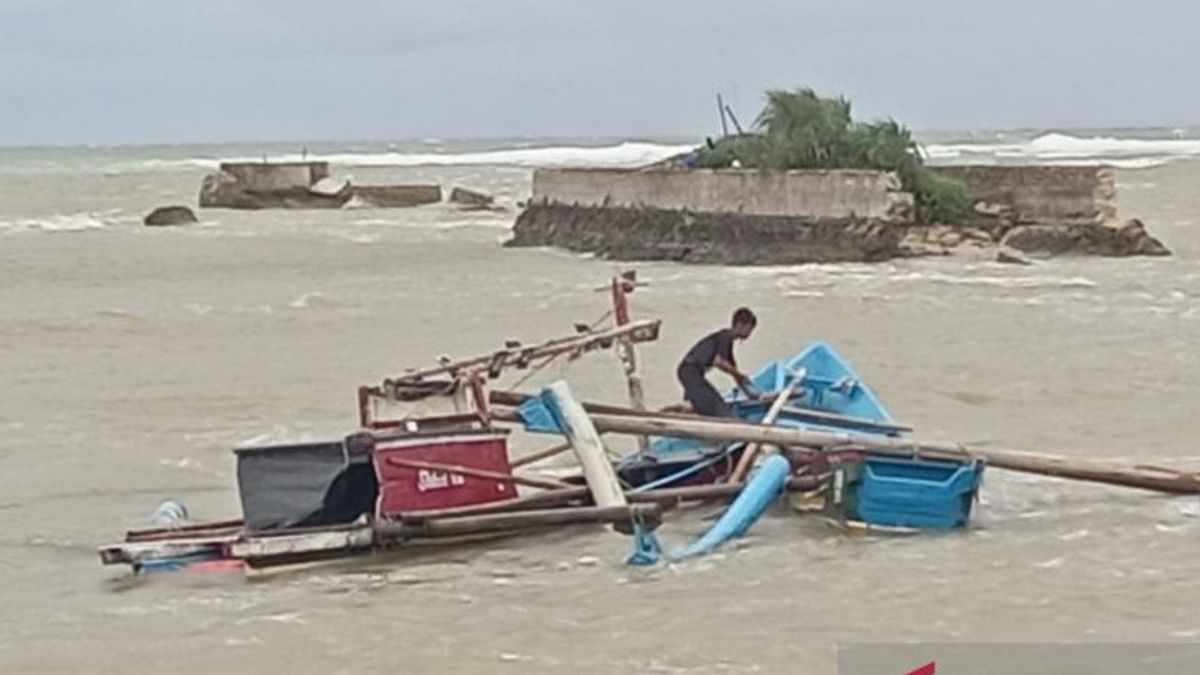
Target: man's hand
[(750, 390)]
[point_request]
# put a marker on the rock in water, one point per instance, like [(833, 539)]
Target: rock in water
[(1011, 256), (1107, 239), (1139, 241), (471, 199), (170, 215), (218, 189)]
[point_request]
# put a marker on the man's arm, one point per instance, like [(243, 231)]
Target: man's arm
[(730, 368)]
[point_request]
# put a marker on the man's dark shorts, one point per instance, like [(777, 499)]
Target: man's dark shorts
[(704, 397)]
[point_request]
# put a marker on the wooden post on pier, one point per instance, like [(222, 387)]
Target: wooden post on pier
[(622, 286)]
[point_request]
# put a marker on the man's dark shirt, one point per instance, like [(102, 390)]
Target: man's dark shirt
[(706, 350)]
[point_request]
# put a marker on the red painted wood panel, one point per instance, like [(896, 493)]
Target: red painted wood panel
[(407, 489)]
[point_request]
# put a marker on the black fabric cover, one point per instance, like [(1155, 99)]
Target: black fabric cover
[(307, 484)]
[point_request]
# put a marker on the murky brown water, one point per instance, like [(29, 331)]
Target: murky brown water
[(132, 360)]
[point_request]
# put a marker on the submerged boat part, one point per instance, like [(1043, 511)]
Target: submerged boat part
[(763, 488)]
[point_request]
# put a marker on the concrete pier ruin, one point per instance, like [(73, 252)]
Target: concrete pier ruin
[(739, 216), (302, 185)]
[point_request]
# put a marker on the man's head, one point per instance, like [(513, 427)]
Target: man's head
[(744, 322)]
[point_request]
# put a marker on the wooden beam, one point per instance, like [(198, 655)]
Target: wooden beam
[(406, 528), (637, 331), (504, 397), (536, 457), (627, 351), (665, 497), (1112, 473)]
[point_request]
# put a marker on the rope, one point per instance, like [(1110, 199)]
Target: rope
[(688, 470)]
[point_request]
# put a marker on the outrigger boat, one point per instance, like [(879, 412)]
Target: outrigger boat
[(430, 462)]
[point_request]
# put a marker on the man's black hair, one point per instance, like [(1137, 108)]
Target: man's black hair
[(744, 315)]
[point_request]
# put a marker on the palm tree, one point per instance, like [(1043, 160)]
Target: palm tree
[(801, 130)]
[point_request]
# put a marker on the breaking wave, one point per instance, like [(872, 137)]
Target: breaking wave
[(626, 154), (1016, 147), (1059, 148), (821, 278), (75, 222), (1037, 281)]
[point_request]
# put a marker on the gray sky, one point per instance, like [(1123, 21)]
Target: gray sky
[(106, 71)]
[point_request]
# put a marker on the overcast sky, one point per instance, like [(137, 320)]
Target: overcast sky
[(108, 71)]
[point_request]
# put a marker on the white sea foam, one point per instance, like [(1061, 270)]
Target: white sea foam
[(821, 275), (75, 222), (973, 279), (199, 309), (1054, 147), (364, 238), (305, 300), (1133, 153), (627, 154), (313, 299)]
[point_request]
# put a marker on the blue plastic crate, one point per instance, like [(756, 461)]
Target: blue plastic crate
[(911, 493)]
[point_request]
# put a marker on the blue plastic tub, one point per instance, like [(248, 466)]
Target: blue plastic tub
[(910, 493)]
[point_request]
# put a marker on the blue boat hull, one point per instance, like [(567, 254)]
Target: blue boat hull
[(830, 385)]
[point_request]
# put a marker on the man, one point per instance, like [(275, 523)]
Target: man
[(716, 351)]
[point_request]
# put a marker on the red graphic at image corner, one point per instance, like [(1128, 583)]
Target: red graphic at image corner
[(927, 669)]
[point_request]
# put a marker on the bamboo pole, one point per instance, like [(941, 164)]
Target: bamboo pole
[(539, 456), (636, 331), (646, 514), (1112, 473), (503, 397), (589, 449), (544, 483), (626, 351), (666, 498), (683, 411), (748, 456)]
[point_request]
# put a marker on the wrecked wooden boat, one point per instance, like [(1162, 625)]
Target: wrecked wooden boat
[(400, 479), (431, 464)]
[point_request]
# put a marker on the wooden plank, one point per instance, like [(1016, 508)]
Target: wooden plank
[(666, 497), (647, 514), (346, 540), (637, 331)]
